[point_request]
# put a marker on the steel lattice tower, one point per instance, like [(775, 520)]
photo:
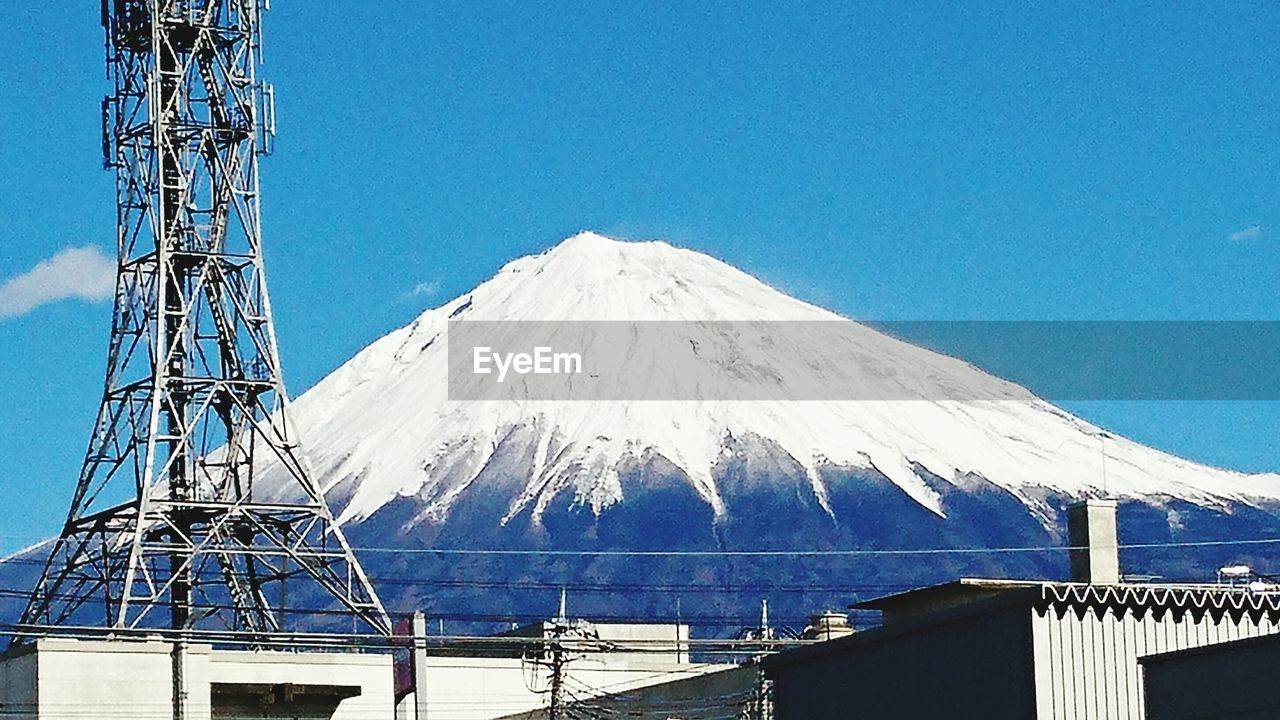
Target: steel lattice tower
[(166, 528)]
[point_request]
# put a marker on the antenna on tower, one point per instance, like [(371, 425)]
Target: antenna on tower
[(562, 615), (170, 524)]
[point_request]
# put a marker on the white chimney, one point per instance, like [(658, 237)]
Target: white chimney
[(1091, 533)]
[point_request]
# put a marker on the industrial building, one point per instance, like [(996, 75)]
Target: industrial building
[(1018, 649), (989, 648)]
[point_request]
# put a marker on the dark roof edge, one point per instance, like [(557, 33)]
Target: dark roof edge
[(942, 589), (1211, 648)]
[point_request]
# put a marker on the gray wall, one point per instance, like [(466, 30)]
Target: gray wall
[(1240, 681), (976, 666), (18, 673), (696, 698)]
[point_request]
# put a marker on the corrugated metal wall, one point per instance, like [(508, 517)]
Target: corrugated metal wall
[(1087, 668)]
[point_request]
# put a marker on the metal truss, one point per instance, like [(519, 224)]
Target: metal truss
[(166, 527)]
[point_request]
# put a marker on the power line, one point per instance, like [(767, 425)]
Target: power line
[(809, 552), (869, 552)]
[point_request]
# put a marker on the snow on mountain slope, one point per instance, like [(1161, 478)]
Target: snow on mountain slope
[(382, 427)]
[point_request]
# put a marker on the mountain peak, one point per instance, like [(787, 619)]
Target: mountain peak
[(590, 276), (587, 239), (590, 246), (597, 254)]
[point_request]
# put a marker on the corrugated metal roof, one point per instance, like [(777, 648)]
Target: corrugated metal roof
[(1198, 599), (1215, 601)]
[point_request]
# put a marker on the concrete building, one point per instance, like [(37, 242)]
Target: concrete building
[(67, 679), (1229, 681), (495, 679)]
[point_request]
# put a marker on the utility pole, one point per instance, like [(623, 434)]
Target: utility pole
[(169, 526), (565, 637), (557, 676), (418, 660), (559, 629), (181, 691), (761, 706)]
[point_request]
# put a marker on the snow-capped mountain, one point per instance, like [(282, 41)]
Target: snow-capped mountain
[(382, 427), (956, 459)]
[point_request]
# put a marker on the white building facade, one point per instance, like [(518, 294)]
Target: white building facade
[(69, 679)]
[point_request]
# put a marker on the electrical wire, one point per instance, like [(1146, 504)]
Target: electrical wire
[(792, 553)]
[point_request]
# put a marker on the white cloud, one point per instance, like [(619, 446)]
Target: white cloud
[(428, 289), (84, 273), (1253, 232)]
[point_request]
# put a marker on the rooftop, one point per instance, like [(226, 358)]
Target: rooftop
[(1198, 598)]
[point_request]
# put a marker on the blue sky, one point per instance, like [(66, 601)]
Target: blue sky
[(889, 161)]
